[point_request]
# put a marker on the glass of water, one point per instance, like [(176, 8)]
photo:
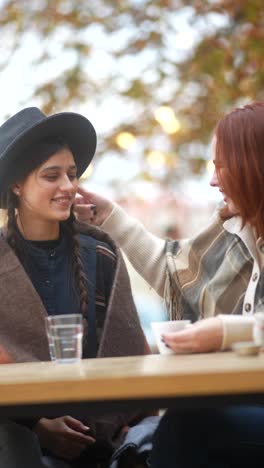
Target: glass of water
[(65, 335)]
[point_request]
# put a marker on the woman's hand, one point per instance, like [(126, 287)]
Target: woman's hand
[(91, 208), (201, 337), (64, 437)]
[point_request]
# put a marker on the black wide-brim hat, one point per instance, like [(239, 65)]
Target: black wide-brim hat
[(30, 126)]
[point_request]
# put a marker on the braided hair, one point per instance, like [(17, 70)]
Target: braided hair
[(44, 150), (78, 272), (12, 236)]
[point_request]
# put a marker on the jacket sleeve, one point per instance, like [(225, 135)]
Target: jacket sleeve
[(145, 251), (28, 422), (236, 328)]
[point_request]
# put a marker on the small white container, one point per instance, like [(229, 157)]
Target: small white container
[(258, 328), (167, 326), (246, 348)]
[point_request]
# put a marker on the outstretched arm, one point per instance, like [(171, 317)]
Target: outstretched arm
[(211, 334), (145, 251)]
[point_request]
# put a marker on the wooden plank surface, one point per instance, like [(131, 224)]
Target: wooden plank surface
[(131, 377)]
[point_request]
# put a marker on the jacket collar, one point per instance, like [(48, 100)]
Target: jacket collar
[(245, 233)]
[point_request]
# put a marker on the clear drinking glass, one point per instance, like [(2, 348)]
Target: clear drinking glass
[(65, 335)]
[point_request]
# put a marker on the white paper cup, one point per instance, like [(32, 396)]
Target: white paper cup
[(258, 328), (169, 326)]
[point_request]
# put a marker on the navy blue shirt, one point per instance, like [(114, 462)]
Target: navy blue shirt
[(49, 267)]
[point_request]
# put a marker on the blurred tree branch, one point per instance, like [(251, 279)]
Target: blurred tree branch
[(221, 69)]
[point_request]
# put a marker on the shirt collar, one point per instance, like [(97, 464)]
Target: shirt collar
[(246, 234)]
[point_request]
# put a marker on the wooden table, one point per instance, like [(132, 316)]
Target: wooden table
[(109, 384)]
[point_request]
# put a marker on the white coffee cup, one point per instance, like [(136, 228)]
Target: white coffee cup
[(168, 326), (258, 328)]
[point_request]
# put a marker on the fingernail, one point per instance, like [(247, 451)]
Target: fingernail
[(93, 207)]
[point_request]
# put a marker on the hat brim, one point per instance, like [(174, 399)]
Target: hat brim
[(75, 129)]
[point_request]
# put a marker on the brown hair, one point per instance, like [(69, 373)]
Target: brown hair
[(240, 152), (45, 150)]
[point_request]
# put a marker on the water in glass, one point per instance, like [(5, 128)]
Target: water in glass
[(67, 342)]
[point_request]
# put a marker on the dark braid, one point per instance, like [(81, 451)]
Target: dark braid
[(12, 236), (79, 275)]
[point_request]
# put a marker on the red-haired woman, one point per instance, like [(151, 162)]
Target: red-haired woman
[(218, 277)]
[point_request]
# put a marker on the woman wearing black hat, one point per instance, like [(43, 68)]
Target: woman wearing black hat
[(50, 264)]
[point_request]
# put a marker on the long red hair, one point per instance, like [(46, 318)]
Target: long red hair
[(240, 152)]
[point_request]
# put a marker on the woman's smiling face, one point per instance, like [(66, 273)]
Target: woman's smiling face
[(220, 170), (48, 192)]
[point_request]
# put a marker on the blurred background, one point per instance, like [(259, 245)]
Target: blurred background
[(154, 77)]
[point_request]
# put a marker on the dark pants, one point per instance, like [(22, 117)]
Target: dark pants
[(228, 437)]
